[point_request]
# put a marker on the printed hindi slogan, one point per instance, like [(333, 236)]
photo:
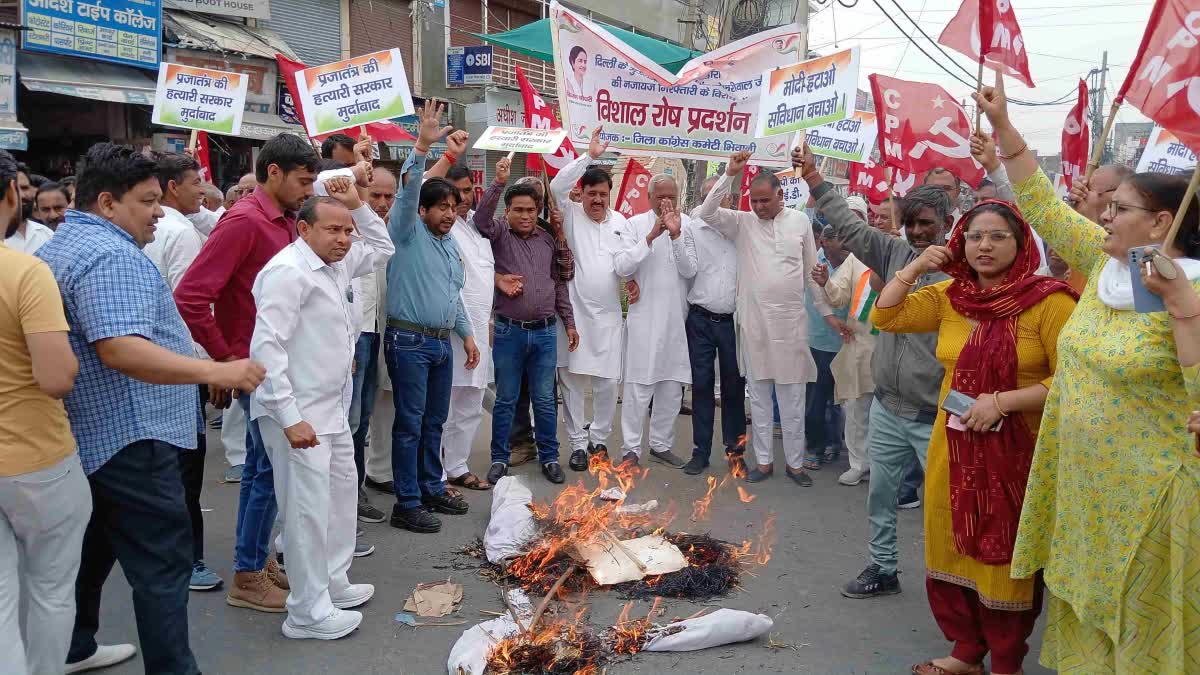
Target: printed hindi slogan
[(705, 112), (121, 31), (852, 139), (200, 98), (517, 139), (808, 94), (1165, 153), (353, 92)]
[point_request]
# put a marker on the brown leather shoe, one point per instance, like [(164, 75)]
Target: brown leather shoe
[(522, 453), (276, 575), (253, 590)]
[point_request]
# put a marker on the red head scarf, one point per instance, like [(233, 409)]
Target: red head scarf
[(989, 470)]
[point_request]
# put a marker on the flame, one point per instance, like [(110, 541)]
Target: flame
[(746, 497), (629, 635), (700, 506), (737, 465)]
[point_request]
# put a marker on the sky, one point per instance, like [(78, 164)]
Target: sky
[(1064, 40)]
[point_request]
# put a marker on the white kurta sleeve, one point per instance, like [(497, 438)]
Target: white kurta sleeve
[(375, 246), (840, 287), (561, 184), (686, 260), (279, 293), (722, 220), (634, 249)]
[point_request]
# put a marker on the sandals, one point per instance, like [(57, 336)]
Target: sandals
[(831, 455), (811, 463), (471, 482), (928, 668)]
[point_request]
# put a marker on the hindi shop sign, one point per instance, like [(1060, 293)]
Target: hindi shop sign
[(254, 9), (1165, 153), (851, 139), (353, 92), (200, 98), (121, 31), (705, 112), (466, 66), (808, 94), (516, 139)]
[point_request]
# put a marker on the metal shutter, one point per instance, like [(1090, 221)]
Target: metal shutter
[(313, 28), (376, 25)]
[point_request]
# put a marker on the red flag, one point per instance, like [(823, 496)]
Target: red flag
[(1164, 79), (748, 175), (538, 115), (871, 181), (634, 196), (922, 127), (380, 131), (202, 156), (1075, 137), (991, 24)]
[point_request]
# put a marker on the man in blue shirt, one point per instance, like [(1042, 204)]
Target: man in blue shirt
[(425, 279), (133, 409)]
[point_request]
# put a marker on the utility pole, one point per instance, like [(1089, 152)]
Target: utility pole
[(1098, 108), (802, 19)]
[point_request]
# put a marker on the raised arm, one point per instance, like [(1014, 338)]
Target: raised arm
[(899, 311), (375, 247), (402, 224), (569, 175), (724, 221), (486, 220), (456, 146)]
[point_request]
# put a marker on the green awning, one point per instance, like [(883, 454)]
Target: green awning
[(534, 40)]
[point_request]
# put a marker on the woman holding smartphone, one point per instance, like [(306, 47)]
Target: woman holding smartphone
[(1113, 505), (997, 325)]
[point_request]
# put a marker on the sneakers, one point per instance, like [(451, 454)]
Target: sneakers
[(386, 487), (254, 590), (337, 625), (579, 460), (695, 466), (872, 583), (852, 476), (553, 472), (415, 520), (355, 595), (233, 474), (105, 656), (668, 457), (203, 579), (366, 512), (909, 501), (361, 548), (275, 572), (445, 503)]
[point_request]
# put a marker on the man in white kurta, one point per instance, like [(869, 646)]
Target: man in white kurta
[(656, 358), (776, 255), (304, 336), (594, 236)]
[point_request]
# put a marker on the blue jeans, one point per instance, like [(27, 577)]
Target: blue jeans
[(422, 372), (894, 443), (710, 339), (519, 352), (366, 381), (256, 501), (821, 415)]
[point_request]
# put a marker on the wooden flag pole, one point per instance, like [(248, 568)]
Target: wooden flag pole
[(193, 139), (979, 90), (1188, 196), (891, 200), (1098, 151)]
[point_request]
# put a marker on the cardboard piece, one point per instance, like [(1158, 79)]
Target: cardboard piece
[(434, 599), (611, 564)]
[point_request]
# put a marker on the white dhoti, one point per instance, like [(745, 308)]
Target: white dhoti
[(604, 408), (458, 433), (667, 395), (317, 493)]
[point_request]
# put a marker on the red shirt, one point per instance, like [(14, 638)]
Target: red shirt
[(214, 295)]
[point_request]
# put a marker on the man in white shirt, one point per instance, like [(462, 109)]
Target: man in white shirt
[(304, 335), (776, 255), (655, 366), (593, 235), (30, 234), (710, 262), (51, 204)]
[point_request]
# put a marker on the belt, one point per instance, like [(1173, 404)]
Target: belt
[(529, 325), (439, 333), (711, 316)]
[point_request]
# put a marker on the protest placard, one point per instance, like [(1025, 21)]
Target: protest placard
[(705, 112), (353, 92), (808, 94), (1165, 153), (795, 189), (518, 139), (200, 98), (852, 139)]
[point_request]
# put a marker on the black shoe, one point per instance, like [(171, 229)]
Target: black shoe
[(598, 449), (910, 500), (415, 520), (387, 486), (553, 472), (497, 471), (630, 461), (444, 503), (579, 460), (685, 409), (695, 466), (872, 583)]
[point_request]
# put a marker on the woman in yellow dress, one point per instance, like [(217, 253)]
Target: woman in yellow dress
[(1112, 511), (997, 325)]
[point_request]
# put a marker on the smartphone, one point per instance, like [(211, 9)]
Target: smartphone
[(958, 403), (1144, 301)]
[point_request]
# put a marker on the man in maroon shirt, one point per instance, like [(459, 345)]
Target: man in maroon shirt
[(215, 301)]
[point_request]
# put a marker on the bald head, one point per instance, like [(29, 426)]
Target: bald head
[(382, 192)]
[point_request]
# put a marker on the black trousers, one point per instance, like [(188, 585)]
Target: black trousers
[(191, 472), (139, 519)]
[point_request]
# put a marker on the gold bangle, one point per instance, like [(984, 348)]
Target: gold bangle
[(1024, 147), (996, 400), (904, 281)]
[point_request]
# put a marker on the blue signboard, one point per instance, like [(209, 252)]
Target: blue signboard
[(466, 66), (121, 31)]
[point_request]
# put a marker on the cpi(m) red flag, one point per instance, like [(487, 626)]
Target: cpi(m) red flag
[(538, 115), (1164, 79), (922, 127), (988, 30), (870, 179), (202, 156), (380, 131), (634, 197), (1075, 138)]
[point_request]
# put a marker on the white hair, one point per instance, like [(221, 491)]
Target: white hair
[(660, 178)]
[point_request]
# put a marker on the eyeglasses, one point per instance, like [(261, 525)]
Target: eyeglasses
[(994, 236), (1115, 207)]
